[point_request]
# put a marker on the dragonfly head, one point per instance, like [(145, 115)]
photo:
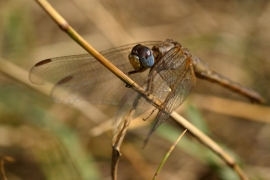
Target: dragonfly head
[(141, 57)]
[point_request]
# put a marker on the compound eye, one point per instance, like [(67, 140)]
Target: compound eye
[(146, 57), (144, 54), (134, 61)]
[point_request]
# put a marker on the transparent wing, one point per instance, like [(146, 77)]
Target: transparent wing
[(82, 77), (171, 79), (131, 100)]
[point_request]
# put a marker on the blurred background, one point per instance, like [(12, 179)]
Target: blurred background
[(41, 139)]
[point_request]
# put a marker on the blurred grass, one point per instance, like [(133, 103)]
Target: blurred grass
[(17, 33), (53, 144), (51, 141)]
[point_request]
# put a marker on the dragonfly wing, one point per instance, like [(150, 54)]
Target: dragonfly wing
[(83, 86), (131, 100), (126, 104), (83, 77), (173, 76)]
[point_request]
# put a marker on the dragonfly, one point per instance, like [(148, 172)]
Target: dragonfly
[(165, 69)]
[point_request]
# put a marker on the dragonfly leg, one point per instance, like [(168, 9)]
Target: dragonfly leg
[(150, 114), (136, 71)]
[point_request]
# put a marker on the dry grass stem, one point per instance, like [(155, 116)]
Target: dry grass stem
[(249, 111), (5, 158)]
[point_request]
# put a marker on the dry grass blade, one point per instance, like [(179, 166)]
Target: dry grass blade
[(156, 102), (116, 144), (5, 158), (112, 23), (168, 153), (234, 108), (118, 139)]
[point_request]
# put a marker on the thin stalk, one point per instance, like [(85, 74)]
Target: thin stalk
[(5, 158), (168, 154)]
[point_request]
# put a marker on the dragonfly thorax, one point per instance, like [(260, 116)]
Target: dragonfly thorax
[(163, 47)]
